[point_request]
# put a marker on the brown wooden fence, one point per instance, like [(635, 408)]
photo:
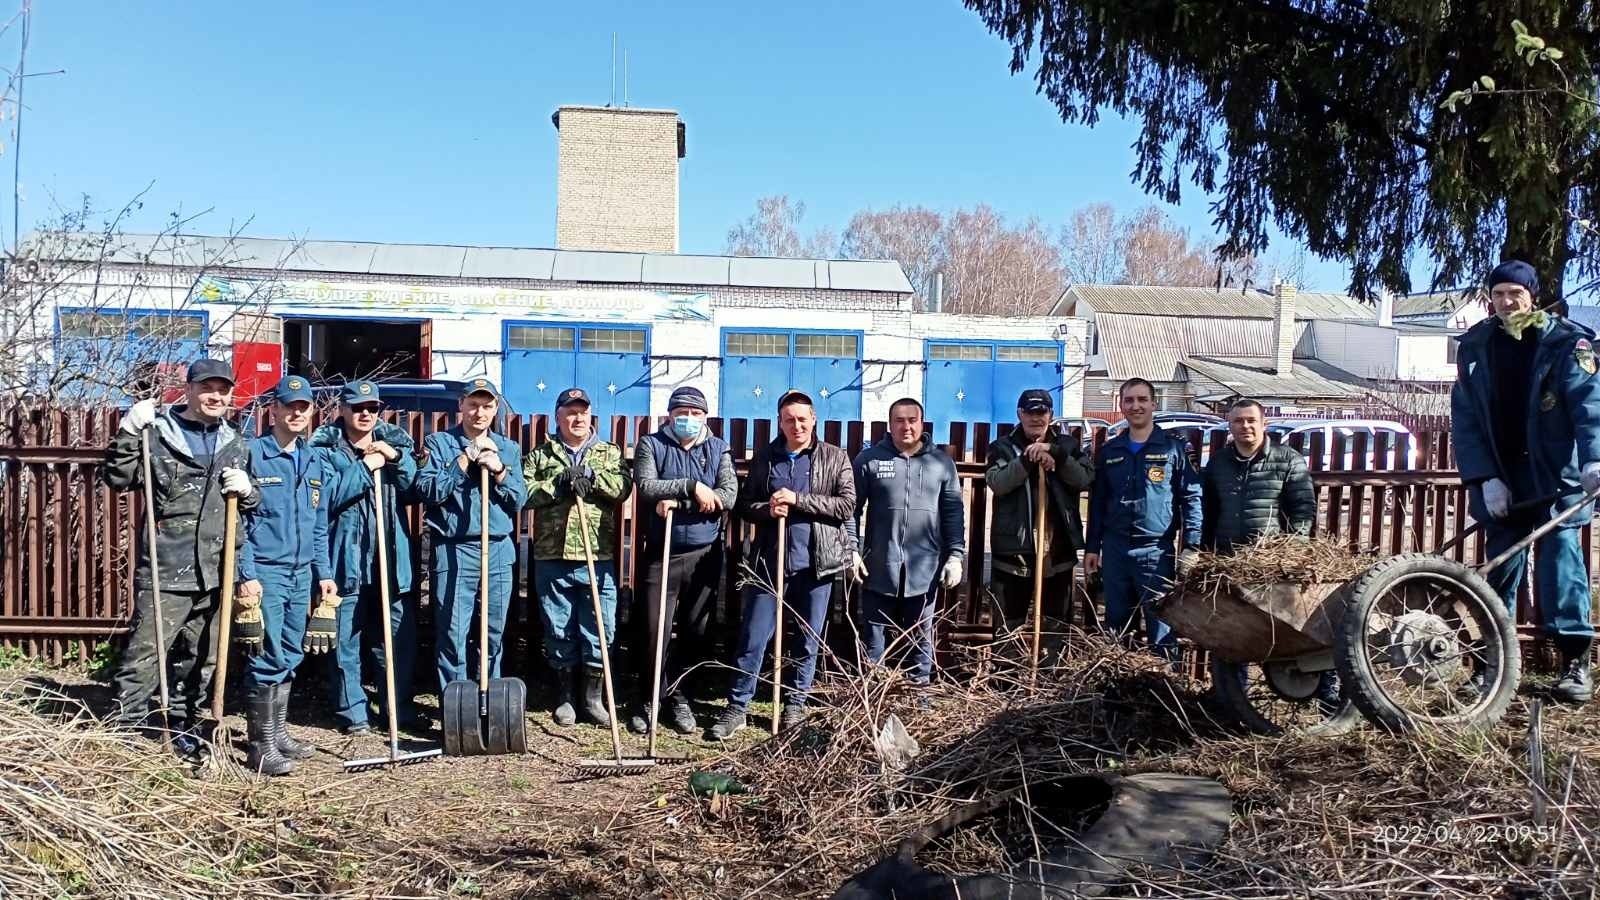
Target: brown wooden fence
[(67, 541)]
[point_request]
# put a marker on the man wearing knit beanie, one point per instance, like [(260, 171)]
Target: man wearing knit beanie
[(1525, 419)]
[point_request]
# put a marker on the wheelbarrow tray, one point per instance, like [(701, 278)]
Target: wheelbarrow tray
[(1259, 623)]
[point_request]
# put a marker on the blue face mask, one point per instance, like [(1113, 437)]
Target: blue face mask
[(688, 426)]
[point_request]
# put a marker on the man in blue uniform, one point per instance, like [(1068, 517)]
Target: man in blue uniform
[(362, 450), (448, 483), (285, 550), (1525, 418), (1145, 506)]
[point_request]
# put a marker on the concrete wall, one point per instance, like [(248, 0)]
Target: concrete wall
[(1362, 349)]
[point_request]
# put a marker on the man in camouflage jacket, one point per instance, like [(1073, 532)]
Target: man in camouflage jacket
[(196, 459), (575, 467)]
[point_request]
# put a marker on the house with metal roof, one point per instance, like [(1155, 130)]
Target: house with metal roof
[(612, 308), (1305, 352)]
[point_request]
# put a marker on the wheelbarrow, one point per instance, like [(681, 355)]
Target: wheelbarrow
[(1415, 641)]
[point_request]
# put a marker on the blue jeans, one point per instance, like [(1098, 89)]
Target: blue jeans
[(904, 621), (361, 637), (803, 594), (1563, 582), (565, 603), (285, 607), (1135, 577), (455, 600)]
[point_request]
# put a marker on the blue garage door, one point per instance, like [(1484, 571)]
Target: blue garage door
[(611, 363), (108, 355), (979, 381), (758, 365)]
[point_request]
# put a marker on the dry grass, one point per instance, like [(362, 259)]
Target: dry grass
[(1278, 558)]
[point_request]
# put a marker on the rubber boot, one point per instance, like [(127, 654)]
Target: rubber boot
[(564, 714), (594, 698), (262, 754), (286, 745)]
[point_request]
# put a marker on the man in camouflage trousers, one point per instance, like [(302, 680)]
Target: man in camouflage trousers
[(196, 459), (575, 467)]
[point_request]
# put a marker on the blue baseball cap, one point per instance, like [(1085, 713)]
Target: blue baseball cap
[(479, 386), (359, 391), (291, 389)]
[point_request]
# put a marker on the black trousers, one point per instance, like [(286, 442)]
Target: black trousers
[(1013, 596), (694, 583)]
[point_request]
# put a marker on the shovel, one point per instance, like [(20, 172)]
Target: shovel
[(777, 627), (1041, 497), (487, 717), (616, 765), (155, 587), (395, 756), (219, 682), (654, 713)]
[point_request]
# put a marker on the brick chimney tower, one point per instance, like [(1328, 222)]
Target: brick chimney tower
[(617, 178), (1283, 309)]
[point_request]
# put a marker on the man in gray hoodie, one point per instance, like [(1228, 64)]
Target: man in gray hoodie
[(915, 536)]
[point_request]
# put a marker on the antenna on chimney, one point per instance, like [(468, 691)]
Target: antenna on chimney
[(613, 69), (624, 78)]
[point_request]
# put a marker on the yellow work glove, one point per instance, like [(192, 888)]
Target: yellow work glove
[(322, 633)]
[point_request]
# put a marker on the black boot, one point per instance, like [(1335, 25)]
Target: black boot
[(286, 745), (681, 715), (1574, 685), (564, 714), (594, 698), (262, 754)]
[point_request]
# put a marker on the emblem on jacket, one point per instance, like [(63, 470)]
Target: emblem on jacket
[(1158, 474), (1583, 352), (1548, 401)]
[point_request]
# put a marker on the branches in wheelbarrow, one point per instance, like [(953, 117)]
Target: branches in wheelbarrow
[(1276, 558)]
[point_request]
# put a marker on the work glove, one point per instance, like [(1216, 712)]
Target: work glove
[(1591, 477), (1497, 497), (576, 480), (1187, 560), (490, 459), (950, 576), (247, 630), (139, 416), (237, 482), (322, 632), (858, 568)]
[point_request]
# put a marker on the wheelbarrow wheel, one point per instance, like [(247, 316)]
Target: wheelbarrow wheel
[(1427, 642), (1268, 698)]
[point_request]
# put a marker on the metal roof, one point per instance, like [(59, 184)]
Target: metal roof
[(1253, 377), (459, 261), (1150, 363), (1137, 346), (1141, 300), (1434, 302)]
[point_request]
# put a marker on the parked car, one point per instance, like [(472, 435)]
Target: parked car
[(1173, 421), (1085, 426)]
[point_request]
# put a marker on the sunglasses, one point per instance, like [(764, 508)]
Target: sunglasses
[(370, 409)]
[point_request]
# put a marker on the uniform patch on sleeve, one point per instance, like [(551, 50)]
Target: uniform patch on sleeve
[(1583, 353)]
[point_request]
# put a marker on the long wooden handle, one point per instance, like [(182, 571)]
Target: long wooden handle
[(155, 570), (383, 603), (1041, 499), (777, 624), (230, 529), (661, 631), (483, 589), (600, 629)]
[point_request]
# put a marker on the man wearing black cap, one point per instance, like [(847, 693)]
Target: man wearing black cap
[(686, 468), (197, 459), (449, 483), (1525, 419), (363, 450), (575, 467), (808, 484), (285, 552), (1016, 462)]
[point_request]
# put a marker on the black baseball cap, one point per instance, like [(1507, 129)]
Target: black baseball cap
[(1035, 400), (572, 395), (207, 369), (794, 396)]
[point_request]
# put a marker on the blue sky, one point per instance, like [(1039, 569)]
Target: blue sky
[(422, 123)]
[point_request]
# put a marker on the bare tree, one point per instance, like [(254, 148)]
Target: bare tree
[(1158, 251), (992, 268), (1094, 244), (910, 235), (774, 230)]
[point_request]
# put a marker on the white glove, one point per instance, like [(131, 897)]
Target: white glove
[(1591, 478), (1497, 497), (858, 567), (139, 416), (1186, 561), (237, 482), (950, 576)]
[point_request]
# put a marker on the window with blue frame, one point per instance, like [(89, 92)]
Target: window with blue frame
[(116, 356)]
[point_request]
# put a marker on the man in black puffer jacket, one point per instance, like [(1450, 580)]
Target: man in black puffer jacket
[(1253, 488)]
